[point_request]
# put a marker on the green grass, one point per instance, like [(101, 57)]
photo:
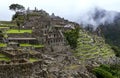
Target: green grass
[(107, 71), (89, 47), (33, 59), (3, 27), (31, 45), (5, 59), (15, 31), (38, 46), (5, 36), (3, 45), (7, 23), (2, 55), (25, 45)]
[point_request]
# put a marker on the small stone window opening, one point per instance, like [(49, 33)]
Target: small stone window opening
[(54, 35)]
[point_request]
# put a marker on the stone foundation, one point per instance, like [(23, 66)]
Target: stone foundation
[(24, 70)]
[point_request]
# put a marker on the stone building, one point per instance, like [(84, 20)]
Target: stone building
[(23, 40), (48, 30), (3, 34)]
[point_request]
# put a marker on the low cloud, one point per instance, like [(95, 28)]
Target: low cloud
[(69, 9), (96, 16)]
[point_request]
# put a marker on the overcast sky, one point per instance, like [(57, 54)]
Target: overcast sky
[(69, 9)]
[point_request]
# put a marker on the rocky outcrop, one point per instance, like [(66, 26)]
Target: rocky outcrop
[(51, 65)]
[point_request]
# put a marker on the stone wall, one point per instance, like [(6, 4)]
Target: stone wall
[(20, 35), (16, 56), (25, 70)]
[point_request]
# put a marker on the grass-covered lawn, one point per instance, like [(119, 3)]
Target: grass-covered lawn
[(25, 45), (3, 45), (38, 46), (18, 31), (33, 59), (4, 57), (31, 45)]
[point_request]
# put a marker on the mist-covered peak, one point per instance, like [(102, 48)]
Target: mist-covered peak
[(97, 16)]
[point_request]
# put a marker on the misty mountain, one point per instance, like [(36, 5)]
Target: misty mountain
[(104, 23), (111, 31), (97, 16)]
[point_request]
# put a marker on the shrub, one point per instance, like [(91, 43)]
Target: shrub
[(101, 73)]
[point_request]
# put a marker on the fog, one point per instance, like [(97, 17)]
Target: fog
[(74, 10)]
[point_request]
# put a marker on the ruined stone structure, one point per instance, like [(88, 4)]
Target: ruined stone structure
[(47, 29), (3, 34), (44, 53), (23, 40)]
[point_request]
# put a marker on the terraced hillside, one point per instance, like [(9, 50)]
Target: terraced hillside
[(92, 47)]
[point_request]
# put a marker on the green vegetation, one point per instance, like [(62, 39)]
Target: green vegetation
[(4, 57), (7, 24), (33, 59), (87, 46), (16, 7), (32, 45), (25, 45), (5, 35), (72, 36), (100, 73), (116, 50), (18, 31), (107, 71), (3, 27), (38, 46), (3, 45), (17, 17), (91, 47), (111, 33)]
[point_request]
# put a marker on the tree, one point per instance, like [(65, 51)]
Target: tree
[(16, 7), (72, 36), (17, 17)]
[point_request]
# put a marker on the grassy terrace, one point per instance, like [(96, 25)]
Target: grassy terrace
[(2, 55), (31, 45), (7, 23), (38, 46), (3, 45), (3, 27), (4, 58), (15, 31), (33, 59), (91, 47), (25, 45)]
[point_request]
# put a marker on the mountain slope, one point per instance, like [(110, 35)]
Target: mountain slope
[(92, 47), (106, 24)]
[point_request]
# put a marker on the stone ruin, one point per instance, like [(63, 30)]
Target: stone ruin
[(31, 62)]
